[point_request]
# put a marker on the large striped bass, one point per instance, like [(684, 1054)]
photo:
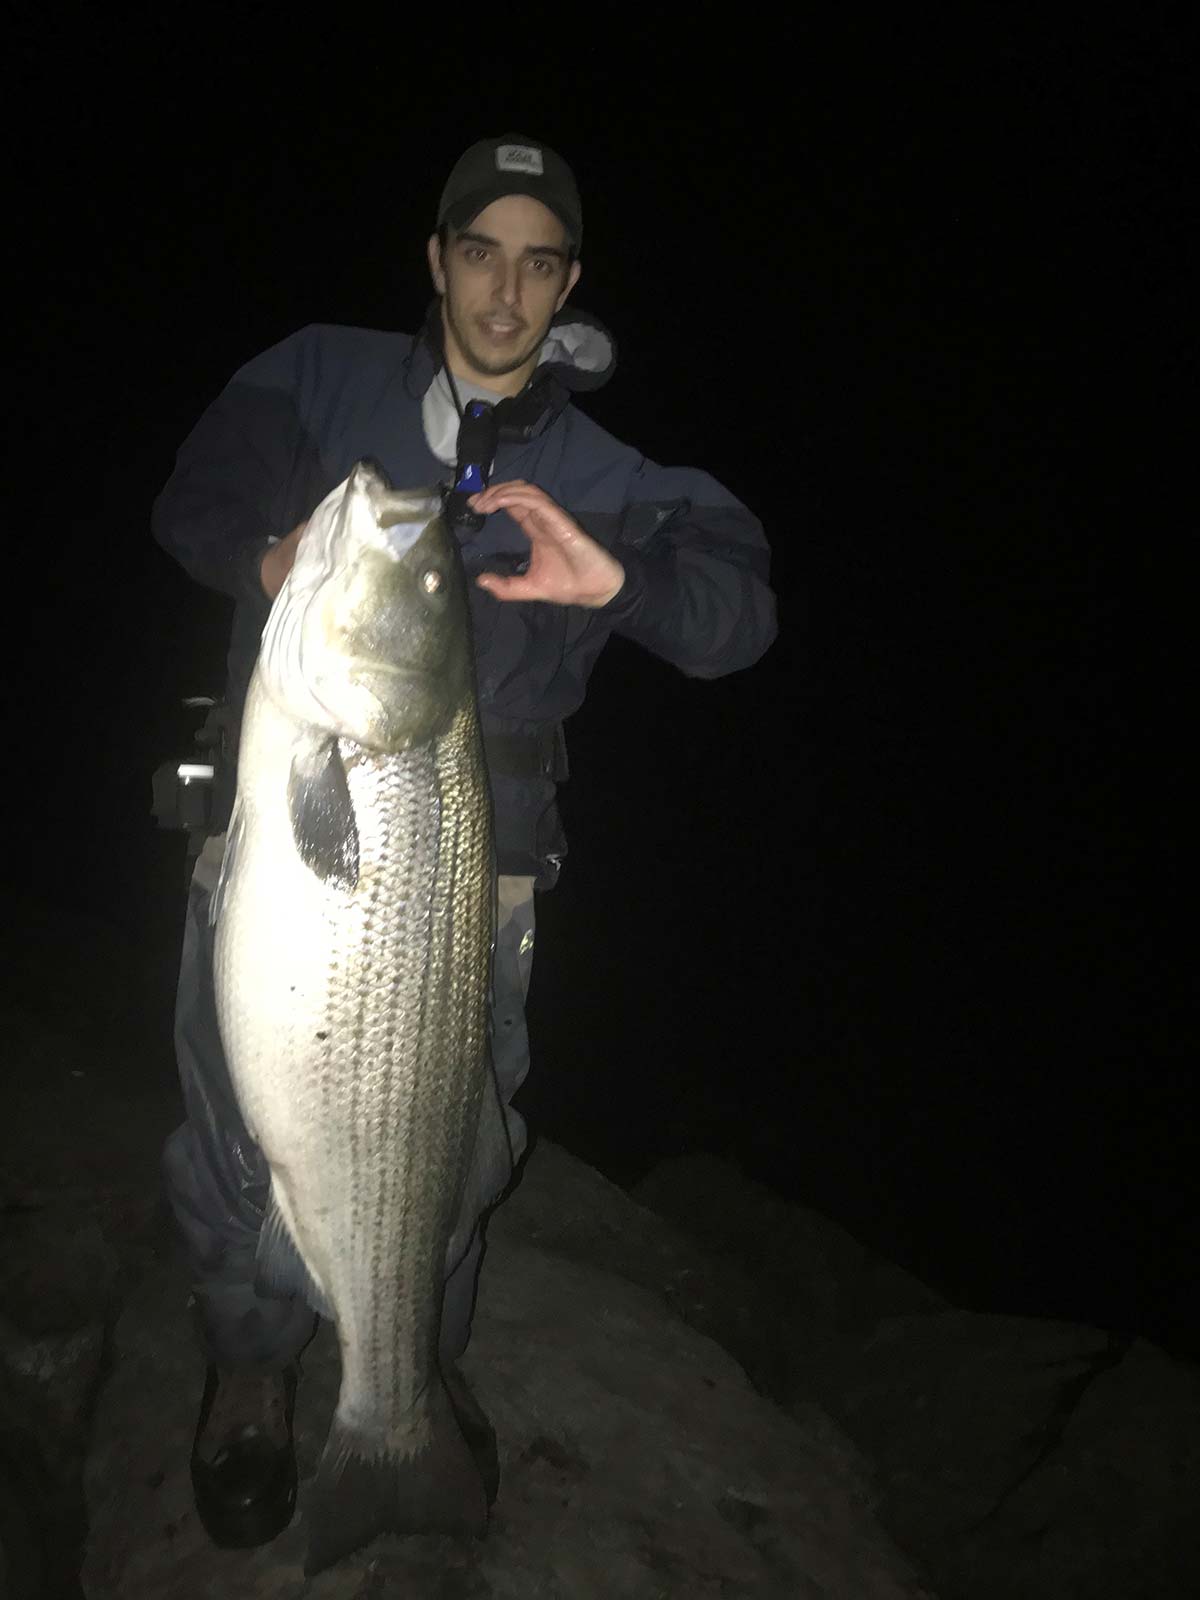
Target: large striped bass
[(353, 947)]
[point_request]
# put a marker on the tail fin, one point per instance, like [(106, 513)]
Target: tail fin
[(360, 1493)]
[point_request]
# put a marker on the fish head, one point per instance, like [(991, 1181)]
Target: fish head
[(369, 638)]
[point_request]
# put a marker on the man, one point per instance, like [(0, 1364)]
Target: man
[(576, 537)]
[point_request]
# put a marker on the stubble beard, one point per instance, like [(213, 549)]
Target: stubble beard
[(487, 365)]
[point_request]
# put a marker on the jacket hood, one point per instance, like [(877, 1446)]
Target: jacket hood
[(579, 351)]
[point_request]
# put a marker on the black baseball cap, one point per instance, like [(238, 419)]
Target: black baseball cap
[(511, 164)]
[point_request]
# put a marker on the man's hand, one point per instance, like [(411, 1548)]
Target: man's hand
[(566, 566), (277, 562)]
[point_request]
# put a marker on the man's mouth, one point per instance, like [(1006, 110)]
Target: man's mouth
[(500, 327)]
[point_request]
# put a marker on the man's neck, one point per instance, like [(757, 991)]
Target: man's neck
[(511, 383), (466, 381)]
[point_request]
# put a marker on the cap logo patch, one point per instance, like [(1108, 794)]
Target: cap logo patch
[(519, 158)]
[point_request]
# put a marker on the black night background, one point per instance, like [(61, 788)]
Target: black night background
[(879, 919)]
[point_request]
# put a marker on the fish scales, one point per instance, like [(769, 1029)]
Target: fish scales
[(354, 933), (404, 1012)]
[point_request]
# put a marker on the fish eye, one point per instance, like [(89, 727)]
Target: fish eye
[(431, 580)]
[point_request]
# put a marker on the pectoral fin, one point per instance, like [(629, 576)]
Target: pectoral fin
[(233, 839), (322, 814), (281, 1268)]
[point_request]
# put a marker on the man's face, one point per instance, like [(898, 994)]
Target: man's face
[(502, 279)]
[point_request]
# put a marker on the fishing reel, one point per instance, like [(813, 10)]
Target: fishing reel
[(187, 791)]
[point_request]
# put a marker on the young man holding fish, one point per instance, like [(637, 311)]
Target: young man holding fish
[(575, 537)]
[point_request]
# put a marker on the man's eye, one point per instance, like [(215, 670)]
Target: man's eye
[(475, 252), (542, 265)]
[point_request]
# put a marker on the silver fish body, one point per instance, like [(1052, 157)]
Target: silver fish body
[(354, 934)]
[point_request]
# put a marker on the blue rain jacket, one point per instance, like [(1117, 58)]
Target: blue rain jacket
[(291, 424)]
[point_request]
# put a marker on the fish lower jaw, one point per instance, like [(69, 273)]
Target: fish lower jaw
[(368, 666)]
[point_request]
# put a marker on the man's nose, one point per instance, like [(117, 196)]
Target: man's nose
[(510, 283)]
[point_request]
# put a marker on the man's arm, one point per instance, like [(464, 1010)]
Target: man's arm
[(686, 574), (243, 476)]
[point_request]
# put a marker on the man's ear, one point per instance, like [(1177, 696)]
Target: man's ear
[(436, 271), (572, 280)]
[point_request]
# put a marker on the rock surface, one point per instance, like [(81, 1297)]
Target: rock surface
[(79, 1140), (1000, 1456), (636, 1458), (1011, 1455)]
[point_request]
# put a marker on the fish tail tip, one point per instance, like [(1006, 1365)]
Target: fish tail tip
[(360, 1495)]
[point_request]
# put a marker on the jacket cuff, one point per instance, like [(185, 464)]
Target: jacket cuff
[(646, 583), (644, 600)]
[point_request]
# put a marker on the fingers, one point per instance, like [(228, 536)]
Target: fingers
[(509, 588), (539, 519), (519, 496), (485, 496)]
